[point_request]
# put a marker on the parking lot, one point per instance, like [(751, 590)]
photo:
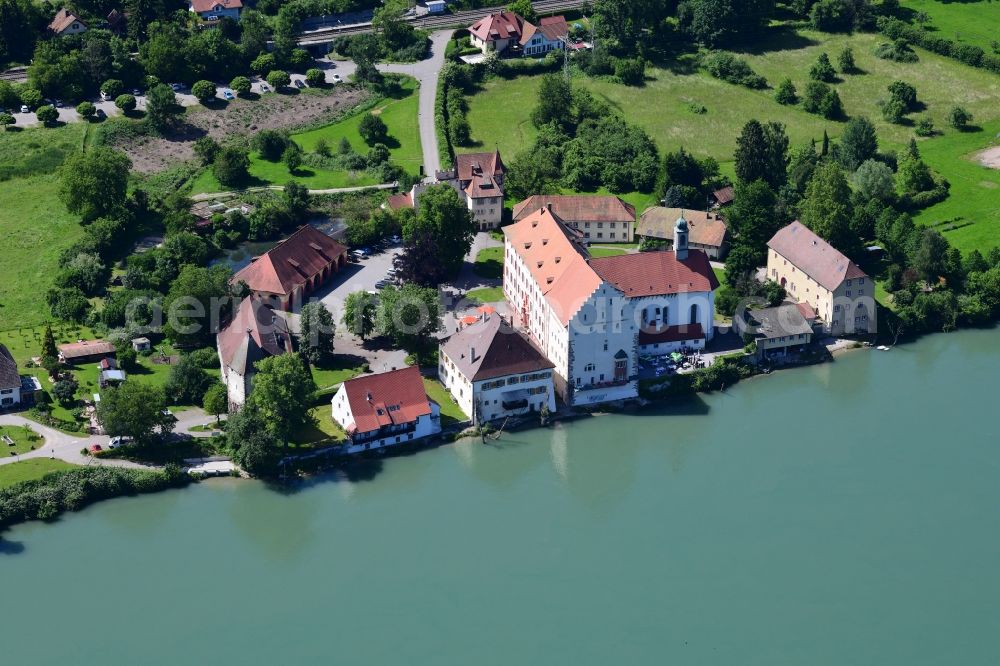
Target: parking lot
[(360, 276)]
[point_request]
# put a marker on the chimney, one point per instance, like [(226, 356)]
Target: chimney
[(548, 206), (472, 354)]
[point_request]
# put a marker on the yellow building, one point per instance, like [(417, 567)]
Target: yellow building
[(815, 273)]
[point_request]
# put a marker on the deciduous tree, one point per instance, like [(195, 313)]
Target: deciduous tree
[(135, 410), (94, 184)]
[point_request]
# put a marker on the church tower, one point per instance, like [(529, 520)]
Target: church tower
[(681, 238)]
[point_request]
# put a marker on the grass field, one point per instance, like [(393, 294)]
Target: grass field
[(450, 411), (605, 251), (399, 114), (486, 295), (28, 470), (970, 216), (24, 439), (339, 372), (958, 21), (489, 263)]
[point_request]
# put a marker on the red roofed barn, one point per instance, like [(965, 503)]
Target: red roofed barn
[(294, 268), (385, 409)]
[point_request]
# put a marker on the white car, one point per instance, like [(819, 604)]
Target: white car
[(336, 78), (119, 441), (25, 109)]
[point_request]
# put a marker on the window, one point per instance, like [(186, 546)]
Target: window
[(848, 284), (861, 280), (861, 292), (836, 308), (589, 367)]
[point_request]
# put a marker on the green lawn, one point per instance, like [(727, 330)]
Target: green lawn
[(34, 229), (38, 150), (489, 263), (970, 216), (339, 371), (399, 114), (605, 251), (450, 411), (486, 295), (24, 438), (720, 274), (958, 21), (28, 470), (323, 432)]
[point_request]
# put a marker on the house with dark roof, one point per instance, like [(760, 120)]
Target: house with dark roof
[(494, 371), (815, 273), (586, 314), (601, 219), (294, 268), (777, 332), (255, 332), (385, 409), (722, 196), (214, 10), (67, 23), (708, 230)]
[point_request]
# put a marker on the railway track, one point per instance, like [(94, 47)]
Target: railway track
[(456, 20)]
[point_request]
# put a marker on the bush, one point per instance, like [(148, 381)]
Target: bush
[(47, 115), (373, 129), (112, 88), (125, 102), (265, 62), (232, 166), (271, 144), (315, 77), (204, 91), (241, 85), (905, 93), (893, 110), (729, 68), (822, 70), (786, 93), (631, 71), (378, 154), (31, 98), (846, 61), (206, 148), (959, 118), (278, 79), (897, 51), (925, 127), (812, 97), (87, 110)]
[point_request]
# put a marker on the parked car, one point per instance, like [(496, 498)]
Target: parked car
[(396, 240), (359, 254), (136, 92), (57, 103), (121, 440), (96, 448), (299, 83), (25, 109), (336, 78), (228, 94), (264, 87), (176, 87)]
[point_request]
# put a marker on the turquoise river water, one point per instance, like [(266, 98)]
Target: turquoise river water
[(847, 513)]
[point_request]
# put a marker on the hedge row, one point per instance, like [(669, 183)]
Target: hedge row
[(446, 152), (893, 28), (72, 490)]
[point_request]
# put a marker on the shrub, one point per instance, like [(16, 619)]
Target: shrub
[(204, 91), (31, 98), (959, 118), (830, 107), (905, 93), (812, 97), (265, 62), (925, 127), (125, 102), (112, 88), (893, 110), (278, 79), (271, 144), (206, 148), (897, 51), (315, 77), (846, 61), (241, 85), (373, 129), (87, 110), (786, 93), (822, 70), (729, 68), (232, 166), (47, 115), (378, 154), (7, 120), (631, 71)]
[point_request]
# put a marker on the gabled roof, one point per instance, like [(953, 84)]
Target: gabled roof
[(9, 377), (387, 398), (778, 322), (202, 6), (555, 260), (724, 195), (704, 228), (657, 273), (814, 256), (85, 348), (63, 19), (492, 348), (470, 165), (554, 28), (291, 263), (578, 208), (398, 201), (254, 333), (499, 25)]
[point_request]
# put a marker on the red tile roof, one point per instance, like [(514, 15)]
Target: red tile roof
[(401, 200), (292, 262), (63, 19), (814, 256), (704, 228), (202, 6), (387, 398), (724, 195), (656, 273), (86, 348), (470, 165), (554, 27), (578, 208), (254, 333), (500, 25), (678, 333)]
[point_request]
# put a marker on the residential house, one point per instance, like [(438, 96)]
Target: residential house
[(815, 273), (479, 179), (708, 231), (256, 332), (722, 196), (385, 409), (294, 268), (85, 351), (601, 219), (141, 344), (10, 380), (494, 371), (586, 314), (777, 331), (109, 374), (214, 10), (117, 22), (67, 23), (509, 35)]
